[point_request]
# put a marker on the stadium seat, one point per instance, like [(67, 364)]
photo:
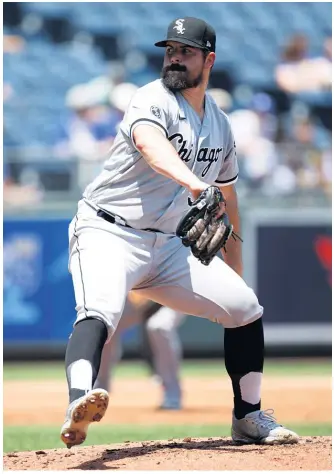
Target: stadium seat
[(250, 37)]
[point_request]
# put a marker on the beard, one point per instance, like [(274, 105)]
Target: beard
[(176, 78)]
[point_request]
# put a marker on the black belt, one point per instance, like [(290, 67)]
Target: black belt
[(114, 219)]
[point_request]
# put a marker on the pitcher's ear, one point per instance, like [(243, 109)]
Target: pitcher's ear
[(210, 59)]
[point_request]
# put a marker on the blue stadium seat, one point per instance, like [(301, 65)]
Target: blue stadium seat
[(48, 9), (255, 74), (95, 23), (250, 37)]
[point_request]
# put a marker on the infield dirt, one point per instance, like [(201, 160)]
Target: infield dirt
[(210, 454), (206, 401)]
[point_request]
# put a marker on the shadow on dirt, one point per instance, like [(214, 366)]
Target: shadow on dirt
[(148, 448)]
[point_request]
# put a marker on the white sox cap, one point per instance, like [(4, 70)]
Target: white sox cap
[(191, 31)]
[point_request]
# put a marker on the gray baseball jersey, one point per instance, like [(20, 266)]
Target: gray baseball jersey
[(131, 189)]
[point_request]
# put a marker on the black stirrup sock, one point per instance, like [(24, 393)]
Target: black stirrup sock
[(83, 356), (244, 356)]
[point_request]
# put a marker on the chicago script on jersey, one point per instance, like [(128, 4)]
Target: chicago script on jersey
[(205, 154)]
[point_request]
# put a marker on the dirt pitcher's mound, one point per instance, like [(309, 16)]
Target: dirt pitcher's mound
[(312, 453)]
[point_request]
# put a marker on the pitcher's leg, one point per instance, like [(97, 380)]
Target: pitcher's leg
[(111, 355), (243, 337), (245, 366), (82, 361), (112, 350), (146, 353), (216, 292), (100, 265), (167, 353), (100, 286)]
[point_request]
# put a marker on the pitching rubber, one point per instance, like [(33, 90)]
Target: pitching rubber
[(86, 410)]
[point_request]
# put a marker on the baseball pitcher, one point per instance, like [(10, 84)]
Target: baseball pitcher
[(154, 220)]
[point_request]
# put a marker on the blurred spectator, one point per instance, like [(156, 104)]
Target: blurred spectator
[(327, 49), (18, 195), (265, 109), (289, 73), (13, 44), (324, 64), (121, 95), (256, 152), (15, 195), (300, 150), (254, 130), (7, 91), (223, 99), (90, 130), (97, 108), (280, 150), (299, 73), (326, 172)]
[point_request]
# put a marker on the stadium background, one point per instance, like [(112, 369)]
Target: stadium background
[(69, 71)]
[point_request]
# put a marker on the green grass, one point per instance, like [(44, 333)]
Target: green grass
[(23, 438), (192, 368)]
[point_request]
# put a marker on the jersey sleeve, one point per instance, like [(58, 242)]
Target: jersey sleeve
[(147, 108), (229, 171)]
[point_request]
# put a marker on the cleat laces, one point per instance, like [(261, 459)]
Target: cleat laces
[(267, 419)]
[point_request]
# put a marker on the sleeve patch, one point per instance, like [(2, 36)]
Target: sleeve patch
[(156, 111)]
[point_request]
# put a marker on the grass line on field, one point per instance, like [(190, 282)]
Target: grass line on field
[(24, 438), (190, 368)]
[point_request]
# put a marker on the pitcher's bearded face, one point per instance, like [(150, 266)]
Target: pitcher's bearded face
[(183, 67)]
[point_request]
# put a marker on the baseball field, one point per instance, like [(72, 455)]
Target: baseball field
[(134, 435)]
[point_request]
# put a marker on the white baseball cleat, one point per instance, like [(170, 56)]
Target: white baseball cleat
[(80, 413), (260, 427)]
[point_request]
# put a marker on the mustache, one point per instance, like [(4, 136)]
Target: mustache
[(175, 67)]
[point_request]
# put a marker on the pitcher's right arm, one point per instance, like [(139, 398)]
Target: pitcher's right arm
[(164, 159)]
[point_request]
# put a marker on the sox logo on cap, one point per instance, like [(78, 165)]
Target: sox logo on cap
[(179, 26)]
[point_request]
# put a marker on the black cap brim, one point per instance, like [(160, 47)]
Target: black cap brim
[(163, 44)]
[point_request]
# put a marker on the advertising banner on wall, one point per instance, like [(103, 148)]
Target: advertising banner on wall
[(294, 273), (288, 261), (38, 298)]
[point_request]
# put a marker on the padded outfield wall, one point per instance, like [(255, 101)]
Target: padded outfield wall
[(287, 259)]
